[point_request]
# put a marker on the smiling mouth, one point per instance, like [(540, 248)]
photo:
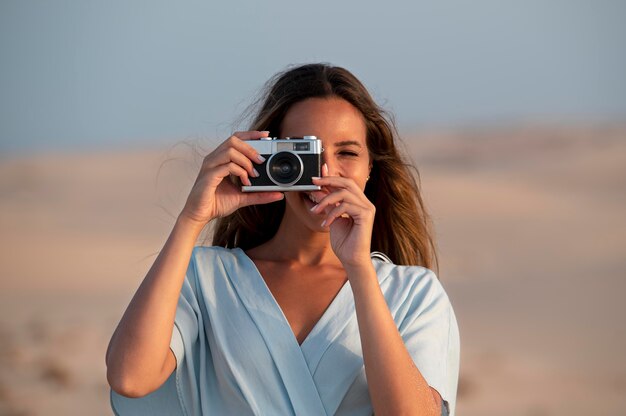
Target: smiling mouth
[(310, 199)]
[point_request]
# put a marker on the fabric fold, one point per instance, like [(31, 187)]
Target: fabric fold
[(237, 354)]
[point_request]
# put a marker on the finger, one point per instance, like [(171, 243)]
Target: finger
[(337, 182), (340, 210), (232, 155), (243, 147), (251, 135), (258, 198), (334, 183), (325, 169), (333, 199), (233, 142), (234, 169)]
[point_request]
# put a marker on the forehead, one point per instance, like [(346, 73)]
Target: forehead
[(331, 119)]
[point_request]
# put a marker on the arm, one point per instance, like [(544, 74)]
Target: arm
[(138, 358), (395, 384)]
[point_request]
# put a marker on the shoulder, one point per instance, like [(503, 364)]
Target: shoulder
[(411, 290), (206, 262), (204, 254), (406, 279), (426, 322), (213, 251)]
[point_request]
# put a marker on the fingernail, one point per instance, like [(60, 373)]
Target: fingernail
[(247, 182), (325, 169), (315, 177), (313, 209), (266, 132), (323, 223), (255, 173), (260, 158)]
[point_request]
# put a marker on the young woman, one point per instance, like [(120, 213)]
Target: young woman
[(294, 310)]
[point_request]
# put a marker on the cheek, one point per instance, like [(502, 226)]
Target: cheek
[(359, 174), (291, 197), (294, 200)]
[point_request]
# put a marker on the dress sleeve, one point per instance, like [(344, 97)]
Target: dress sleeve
[(176, 395), (431, 334)]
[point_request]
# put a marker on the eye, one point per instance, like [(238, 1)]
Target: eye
[(348, 153)]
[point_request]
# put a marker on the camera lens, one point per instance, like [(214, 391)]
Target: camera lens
[(284, 168)]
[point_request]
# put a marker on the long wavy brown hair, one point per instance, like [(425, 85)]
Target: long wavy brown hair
[(402, 227)]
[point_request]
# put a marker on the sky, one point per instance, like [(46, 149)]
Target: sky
[(87, 74)]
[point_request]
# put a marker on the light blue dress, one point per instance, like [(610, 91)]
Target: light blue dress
[(237, 355)]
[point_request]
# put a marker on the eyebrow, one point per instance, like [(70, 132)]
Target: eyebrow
[(348, 143)]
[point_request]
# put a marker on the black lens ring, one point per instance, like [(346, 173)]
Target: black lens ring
[(269, 164)]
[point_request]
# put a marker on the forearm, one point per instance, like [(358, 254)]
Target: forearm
[(395, 384), (140, 345)]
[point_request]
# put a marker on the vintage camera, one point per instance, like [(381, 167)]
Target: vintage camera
[(289, 164)]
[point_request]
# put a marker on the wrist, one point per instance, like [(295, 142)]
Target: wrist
[(361, 272), (185, 222), (358, 264)]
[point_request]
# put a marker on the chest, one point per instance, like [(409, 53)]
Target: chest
[(303, 294)]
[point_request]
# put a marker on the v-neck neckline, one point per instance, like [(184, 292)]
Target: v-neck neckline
[(301, 367), (324, 319)]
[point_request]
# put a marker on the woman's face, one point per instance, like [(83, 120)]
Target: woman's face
[(341, 128)]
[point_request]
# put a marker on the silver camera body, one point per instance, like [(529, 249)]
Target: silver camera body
[(289, 165)]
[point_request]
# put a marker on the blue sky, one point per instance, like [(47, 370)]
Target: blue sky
[(97, 74)]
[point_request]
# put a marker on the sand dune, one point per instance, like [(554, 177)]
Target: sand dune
[(531, 229)]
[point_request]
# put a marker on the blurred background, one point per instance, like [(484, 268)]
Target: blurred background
[(514, 113)]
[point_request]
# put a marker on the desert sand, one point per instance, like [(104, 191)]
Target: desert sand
[(530, 224)]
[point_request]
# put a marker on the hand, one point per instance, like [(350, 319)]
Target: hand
[(350, 217), (213, 195)]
